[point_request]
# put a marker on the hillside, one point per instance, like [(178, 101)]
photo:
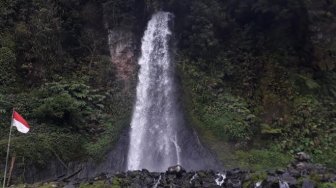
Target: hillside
[(258, 78)]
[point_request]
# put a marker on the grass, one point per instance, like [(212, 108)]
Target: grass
[(262, 159)]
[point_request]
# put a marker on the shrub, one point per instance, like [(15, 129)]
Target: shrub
[(7, 69), (229, 117)]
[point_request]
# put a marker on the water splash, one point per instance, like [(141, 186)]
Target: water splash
[(258, 184), (283, 184), (157, 182), (193, 178), (220, 179)]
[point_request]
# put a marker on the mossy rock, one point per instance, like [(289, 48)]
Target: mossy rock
[(327, 185)]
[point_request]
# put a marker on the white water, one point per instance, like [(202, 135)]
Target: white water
[(193, 178), (157, 182), (258, 184), (283, 184), (221, 179), (154, 143)]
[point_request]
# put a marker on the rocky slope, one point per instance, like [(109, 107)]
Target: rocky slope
[(300, 173)]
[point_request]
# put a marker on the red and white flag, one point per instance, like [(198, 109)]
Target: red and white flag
[(20, 123)]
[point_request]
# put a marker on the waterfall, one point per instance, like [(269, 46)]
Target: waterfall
[(153, 134), (158, 135)]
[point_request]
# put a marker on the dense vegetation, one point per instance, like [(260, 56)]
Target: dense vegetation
[(261, 74), (55, 69), (258, 76)]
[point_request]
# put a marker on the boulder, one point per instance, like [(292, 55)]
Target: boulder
[(286, 177), (307, 184), (302, 156), (178, 170), (234, 183)]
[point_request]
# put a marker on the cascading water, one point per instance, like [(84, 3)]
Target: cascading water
[(157, 125), (153, 140)]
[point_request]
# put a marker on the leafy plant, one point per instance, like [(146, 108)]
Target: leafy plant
[(7, 68)]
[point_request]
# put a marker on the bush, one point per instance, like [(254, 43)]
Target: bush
[(69, 104), (7, 69), (39, 148), (229, 117), (261, 159), (60, 109)]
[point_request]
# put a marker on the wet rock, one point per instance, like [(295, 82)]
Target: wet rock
[(202, 174), (145, 171), (333, 179), (134, 174), (302, 166), (283, 184), (234, 171), (272, 179), (178, 170), (233, 183), (120, 175), (156, 175), (302, 156), (90, 182), (55, 184), (258, 184), (177, 177), (307, 184), (280, 171), (289, 179), (295, 173), (70, 185)]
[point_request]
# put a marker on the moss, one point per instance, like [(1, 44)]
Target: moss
[(326, 157), (97, 184), (262, 159), (327, 185), (254, 178)]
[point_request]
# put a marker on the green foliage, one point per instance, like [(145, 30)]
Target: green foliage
[(225, 115), (229, 117), (6, 40), (267, 129), (261, 54), (255, 177), (328, 82), (108, 138), (121, 13), (99, 184), (39, 148), (7, 69), (308, 130), (327, 157), (252, 71), (262, 159), (56, 71), (68, 103), (4, 105), (60, 109), (327, 185)]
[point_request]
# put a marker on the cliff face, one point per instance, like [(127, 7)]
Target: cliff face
[(123, 54)]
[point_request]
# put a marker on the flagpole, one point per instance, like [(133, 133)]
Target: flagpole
[(9, 137)]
